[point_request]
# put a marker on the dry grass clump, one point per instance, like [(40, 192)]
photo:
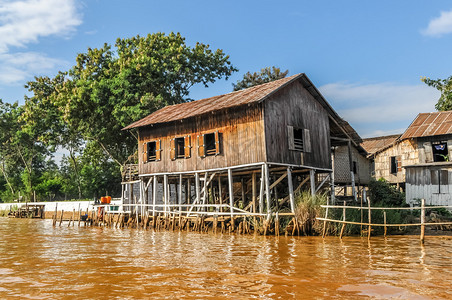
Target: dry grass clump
[(307, 209)]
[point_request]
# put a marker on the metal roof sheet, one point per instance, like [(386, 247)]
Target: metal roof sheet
[(375, 144), (199, 107), (429, 124)]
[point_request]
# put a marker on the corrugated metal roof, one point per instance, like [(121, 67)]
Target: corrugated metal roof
[(200, 107), (375, 144), (429, 124)]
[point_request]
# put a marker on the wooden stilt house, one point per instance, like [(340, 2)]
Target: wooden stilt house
[(243, 153)]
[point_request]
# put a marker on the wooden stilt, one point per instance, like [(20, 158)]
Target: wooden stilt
[(61, 218), (154, 195), (422, 220), (231, 192), (291, 193), (343, 219), (267, 188), (369, 228)]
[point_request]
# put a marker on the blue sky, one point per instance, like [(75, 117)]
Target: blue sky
[(366, 57)]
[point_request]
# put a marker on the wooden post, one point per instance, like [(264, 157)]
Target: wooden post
[(188, 193), (198, 200), (369, 228), (165, 192), (324, 222), (55, 215), (291, 195), (154, 195), (352, 174), (204, 195), (312, 179), (422, 220), (242, 184), (384, 220), (267, 188), (61, 218), (261, 191), (231, 193), (180, 193), (343, 219), (220, 192)]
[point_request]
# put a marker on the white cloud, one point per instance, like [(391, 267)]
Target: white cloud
[(17, 67), (382, 108), (24, 22), (439, 26)]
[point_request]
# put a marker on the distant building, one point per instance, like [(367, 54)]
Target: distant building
[(418, 160)]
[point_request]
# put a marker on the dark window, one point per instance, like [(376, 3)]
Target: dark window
[(209, 142), (298, 139), (394, 165), (355, 168), (152, 151), (440, 152), (180, 147)]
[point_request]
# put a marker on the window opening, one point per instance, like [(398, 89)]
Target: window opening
[(440, 152), (298, 139), (180, 147), (209, 142), (355, 168), (152, 151), (393, 165)]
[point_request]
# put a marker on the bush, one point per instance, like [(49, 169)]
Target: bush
[(383, 194), (306, 211)]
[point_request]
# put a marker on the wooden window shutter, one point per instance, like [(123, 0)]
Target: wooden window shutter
[(173, 149), (306, 141), (290, 138), (217, 142), (399, 163), (187, 146), (201, 146), (145, 152), (158, 150)]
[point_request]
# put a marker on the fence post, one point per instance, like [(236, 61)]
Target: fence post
[(369, 228), (324, 222), (422, 220), (384, 219), (343, 218)]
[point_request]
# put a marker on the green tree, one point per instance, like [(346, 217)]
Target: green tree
[(109, 89), (9, 125), (445, 87), (265, 75)]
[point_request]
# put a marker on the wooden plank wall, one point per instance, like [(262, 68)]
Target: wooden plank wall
[(241, 140), (419, 186), (295, 106)]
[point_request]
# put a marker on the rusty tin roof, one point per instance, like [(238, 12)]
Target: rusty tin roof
[(199, 107), (375, 144), (429, 124)]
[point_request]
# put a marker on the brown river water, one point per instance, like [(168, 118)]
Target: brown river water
[(39, 261)]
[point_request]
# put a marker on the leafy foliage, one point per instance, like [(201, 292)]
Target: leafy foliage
[(265, 75), (445, 87), (84, 109), (383, 194)]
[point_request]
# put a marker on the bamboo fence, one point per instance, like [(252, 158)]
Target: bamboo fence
[(369, 224)]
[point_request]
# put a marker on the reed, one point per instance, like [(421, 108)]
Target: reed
[(308, 207)]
